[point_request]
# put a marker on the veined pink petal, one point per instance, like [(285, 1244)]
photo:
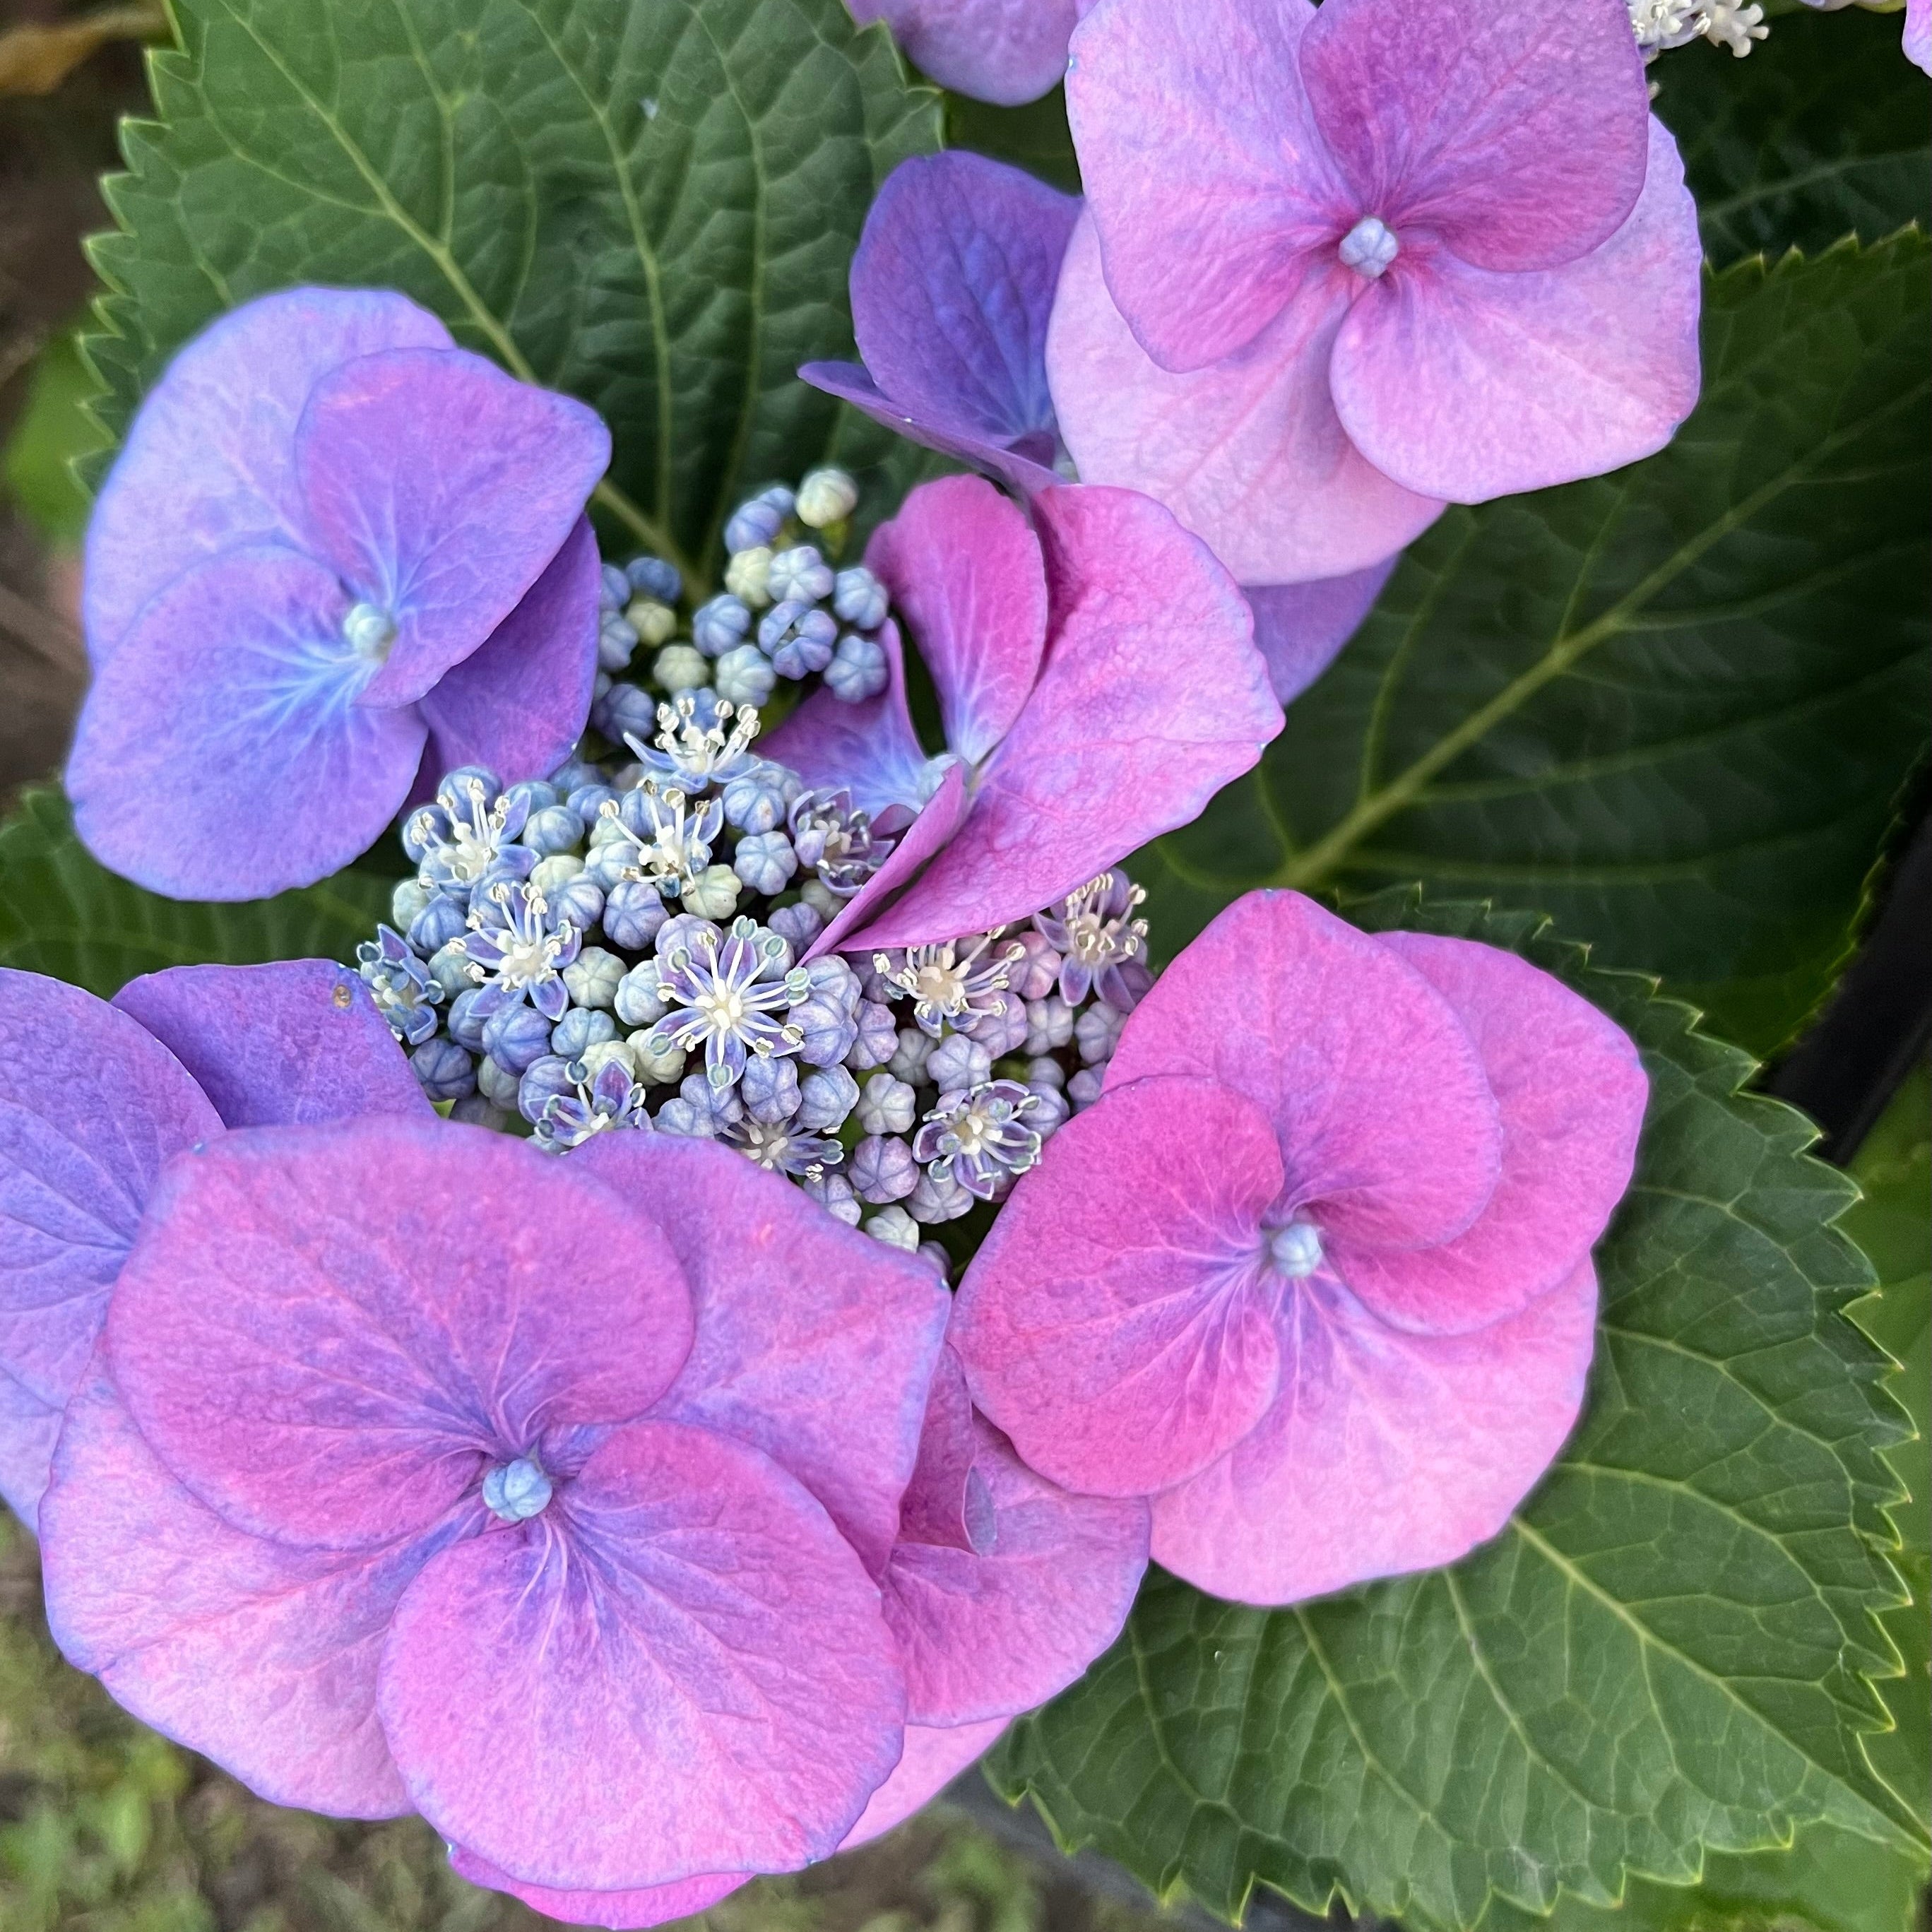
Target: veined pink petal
[(260, 1656), (440, 488), (1380, 1104), (964, 574), (1118, 1322), (680, 1665), (1300, 628), (208, 464), (1570, 1090), (1515, 135), (1123, 737), (1250, 454), (328, 1333), (1003, 51), (933, 1758), (518, 705), (939, 818), (641, 1906), (814, 1343), (294, 1043), (92, 1105), (1468, 385), (1387, 1452), (1208, 180)]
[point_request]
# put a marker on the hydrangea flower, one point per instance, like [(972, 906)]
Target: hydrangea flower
[(1101, 941), (519, 952), (1314, 1273), (1338, 267), (1076, 728), (568, 1541), (336, 549), (95, 1097), (729, 992), (951, 287), (1007, 51)]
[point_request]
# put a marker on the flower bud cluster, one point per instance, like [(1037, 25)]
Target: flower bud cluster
[(623, 946), (786, 613)]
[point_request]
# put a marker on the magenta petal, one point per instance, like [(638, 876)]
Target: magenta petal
[(221, 753), (1118, 1322), (934, 1756), (940, 817), (440, 488), (1209, 182), (1380, 1104), (951, 287), (90, 1106), (1124, 737), (1387, 1452), (642, 1906), (518, 704), (292, 1044), (1514, 135), (869, 749), (965, 574), (1300, 629), (679, 1666), (1003, 51), (1249, 455), (1468, 385), (1570, 1090), (814, 1343), (945, 1503), (987, 1633), (850, 384), (328, 1333), (208, 464), (261, 1657)]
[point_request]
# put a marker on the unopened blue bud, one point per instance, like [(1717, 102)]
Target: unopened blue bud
[(450, 969), (858, 669), (454, 795), (806, 647), (445, 1071), (515, 1036), (825, 1100), (555, 828), (652, 577), (765, 861), (544, 1080), (425, 828), (496, 1083), (473, 1111), (440, 922), (959, 1062), (833, 1192), (637, 1001), (578, 903), (800, 572), (744, 675), (625, 712), (570, 775), (882, 1169), (579, 1030), (755, 800), (613, 588), (534, 794), (859, 599), (617, 643), (587, 801), (798, 924), (466, 1027), (633, 909), (769, 1088), (721, 624), (1084, 1089), (876, 1035), (593, 977), (753, 523)]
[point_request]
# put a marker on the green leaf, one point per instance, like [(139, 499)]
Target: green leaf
[(37, 465), (63, 914), (1672, 706), (1035, 137), (1820, 133), (1669, 1648), (652, 208)]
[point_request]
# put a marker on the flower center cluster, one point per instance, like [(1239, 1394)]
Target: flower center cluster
[(369, 631), (1368, 247), (1296, 1248), (515, 1492)]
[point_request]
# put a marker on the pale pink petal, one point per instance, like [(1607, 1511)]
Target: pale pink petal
[(1117, 1321), (90, 1106), (1125, 737), (643, 1905), (327, 1333), (1468, 385), (1386, 1453), (1249, 455), (261, 1657), (679, 1665), (869, 749), (939, 818), (965, 577), (440, 488), (947, 1502), (1383, 1112), (209, 461), (814, 1342), (1570, 1090), (933, 1758), (1300, 629), (1514, 134), (294, 1043), (1918, 33), (1003, 51), (1208, 181)]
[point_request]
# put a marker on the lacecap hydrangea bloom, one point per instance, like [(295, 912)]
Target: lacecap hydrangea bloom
[(95, 1098), (416, 1470), (1340, 267), (1314, 1274), (336, 552)]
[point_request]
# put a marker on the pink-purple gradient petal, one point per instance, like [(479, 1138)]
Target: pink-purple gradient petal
[(934, 1756), (624, 1910), (869, 748), (1300, 629), (1007, 51)]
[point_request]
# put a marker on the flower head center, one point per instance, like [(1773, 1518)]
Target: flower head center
[(1368, 247), (1296, 1248), (369, 631), (515, 1492)]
